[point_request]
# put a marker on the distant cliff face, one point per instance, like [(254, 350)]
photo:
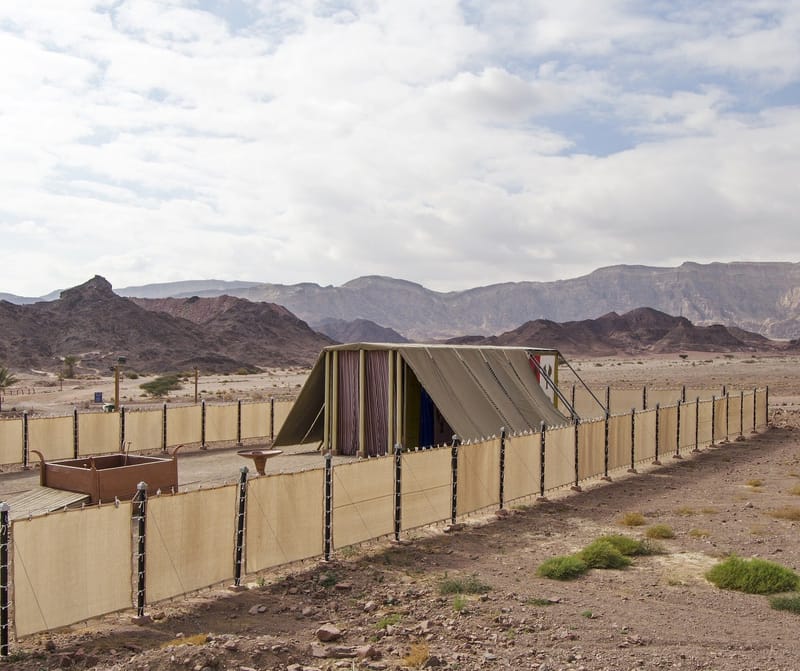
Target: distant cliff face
[(760, 297)]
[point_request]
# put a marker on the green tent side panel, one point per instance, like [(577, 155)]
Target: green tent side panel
[(305, 422)]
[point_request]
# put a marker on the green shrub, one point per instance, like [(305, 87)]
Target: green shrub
[(567, 567), (790, 602), (753, 576), (602, 554), (162, 385), (632, 547), (660, 531), (469, 585)]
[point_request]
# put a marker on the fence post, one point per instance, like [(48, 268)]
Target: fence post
[(696, 425), (75, 437), (543, 429), (576, 487), (608, 399), (454, 479), (644, 397), (632, 469), (683, 394), (272, 418), (25, 441), (658, 423), (766, 407), (203, 445), (502, 465), (727, 416), (328, 531), (239, 423), (141, 510), (572, 397), (398, 482), (4, 538), (741, 414), (122, 428), (605, 444), (713, 418), (677, 454), (164, 428), (240, 522), (755, 405)]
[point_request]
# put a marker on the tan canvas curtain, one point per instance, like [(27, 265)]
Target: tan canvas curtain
[(347, 408), (376, 419)]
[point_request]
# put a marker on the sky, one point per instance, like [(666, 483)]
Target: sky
[(450, 143)]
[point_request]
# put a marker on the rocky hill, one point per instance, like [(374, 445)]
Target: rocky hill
[(638, 331), (759, 297), (97, 326), (358, 330)]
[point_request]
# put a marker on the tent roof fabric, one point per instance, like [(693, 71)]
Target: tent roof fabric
[(479, 390)]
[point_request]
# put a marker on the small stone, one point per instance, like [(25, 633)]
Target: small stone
[(257, 609), (370, 606), (368, 652), (328, 632), (341, 651), (343, 586), (319, 651), (308, 611), (432, 662)]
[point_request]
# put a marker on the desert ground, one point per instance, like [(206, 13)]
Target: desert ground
[(382, 605)]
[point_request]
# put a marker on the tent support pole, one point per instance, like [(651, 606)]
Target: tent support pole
[(362, 402)]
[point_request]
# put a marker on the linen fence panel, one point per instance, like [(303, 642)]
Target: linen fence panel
[(559, 457), (221, 422), (425, 487), (282, 409), (478, 476), (586, 406), (761, 408), (662, 397), (71, 566), (185, 425), (747, 412), (645, 438), (591, 449), (688, 426), (735, 419), (619, 442), (255, 420), (522, 466), (363, 501), (703, 394), (624, 400), (720, 420), (52, 436), (143, 430), (11, 441), (704, 412), (285, 518), (190, 541), (98, 433), (667, 430)]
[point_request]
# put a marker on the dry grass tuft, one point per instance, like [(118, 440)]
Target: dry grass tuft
[(795, 491), (632, 520), (686, 511), (660, 531), (699, 533), (197, 639), (417, 656), (755, 482), (786, 513)]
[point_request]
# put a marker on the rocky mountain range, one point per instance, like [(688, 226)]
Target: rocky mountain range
[(759, 297), (95, 325)]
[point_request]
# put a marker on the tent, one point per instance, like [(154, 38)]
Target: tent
[(364, 398)]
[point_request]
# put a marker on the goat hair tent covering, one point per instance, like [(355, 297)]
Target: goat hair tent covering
[(476, 391)]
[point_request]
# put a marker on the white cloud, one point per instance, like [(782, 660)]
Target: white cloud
[(453, 144)]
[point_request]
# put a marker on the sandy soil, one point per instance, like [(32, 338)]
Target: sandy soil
[(385, 599)]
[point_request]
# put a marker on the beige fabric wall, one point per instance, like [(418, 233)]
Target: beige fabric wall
[(720, 428), (586, 406), (703, 394), (98, 433), (662, 397), (184, 425), (425, 487), (478, 476), (11, 441), (667, 431), (523, 464), (735, 415), (143, 430), (591, 449), (221, 422), (255, 420), (284, 518), (363, 500), (761, 402), (52, 436), (190, 541), (688, 424), (559, 457), (623, 400), (749, 400), (619, 442), (704, 421), (71, 566), (645, 436), (282, 409)]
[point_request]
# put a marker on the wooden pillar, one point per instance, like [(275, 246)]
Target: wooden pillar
[(335, 402), (326, 413), (390, 442), (399, 401), (362, 403)]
